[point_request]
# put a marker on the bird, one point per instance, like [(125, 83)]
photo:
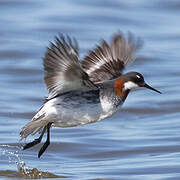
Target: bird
[(83, 91)]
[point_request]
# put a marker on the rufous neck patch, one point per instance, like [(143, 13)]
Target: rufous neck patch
[(119, 88)]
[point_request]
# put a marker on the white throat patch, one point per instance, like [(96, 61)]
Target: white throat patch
[(130, 85)]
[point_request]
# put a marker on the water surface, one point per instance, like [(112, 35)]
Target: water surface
[(140, 142)]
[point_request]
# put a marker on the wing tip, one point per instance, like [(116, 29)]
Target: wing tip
[(110, 59)]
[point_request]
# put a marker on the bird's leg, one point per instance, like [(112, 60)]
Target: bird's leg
[(36, 141), (46, 144)]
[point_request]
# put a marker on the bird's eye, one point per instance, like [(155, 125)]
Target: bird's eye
[(139, 79)]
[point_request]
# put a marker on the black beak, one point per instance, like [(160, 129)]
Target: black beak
[(149, 87)]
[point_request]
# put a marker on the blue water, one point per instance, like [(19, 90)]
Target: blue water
[(140, 142)]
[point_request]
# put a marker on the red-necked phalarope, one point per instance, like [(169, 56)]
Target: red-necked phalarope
[(87, 91)]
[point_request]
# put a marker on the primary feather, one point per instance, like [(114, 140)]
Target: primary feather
[(107, 61), (63, 71)]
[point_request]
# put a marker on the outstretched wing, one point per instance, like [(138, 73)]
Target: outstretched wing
[(107, 62), (63, 71)]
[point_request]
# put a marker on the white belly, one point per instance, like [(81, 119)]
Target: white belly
[(72, 115), (66, 112)]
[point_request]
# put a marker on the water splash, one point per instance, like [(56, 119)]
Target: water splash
[(23, 171)]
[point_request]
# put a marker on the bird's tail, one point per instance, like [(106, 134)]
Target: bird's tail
[(34, 126)]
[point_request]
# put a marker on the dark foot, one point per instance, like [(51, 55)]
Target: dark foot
[(31, 144), (46, 144), (36, 141), (43, 148)]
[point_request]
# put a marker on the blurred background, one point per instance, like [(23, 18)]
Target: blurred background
[(140, 142)]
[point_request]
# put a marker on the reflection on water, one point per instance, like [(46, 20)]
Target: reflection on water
[(23, 171)]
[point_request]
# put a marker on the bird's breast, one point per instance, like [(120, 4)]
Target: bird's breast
[(79, 108)]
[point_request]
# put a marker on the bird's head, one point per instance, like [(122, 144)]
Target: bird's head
[(129, 81), (134, 80)]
